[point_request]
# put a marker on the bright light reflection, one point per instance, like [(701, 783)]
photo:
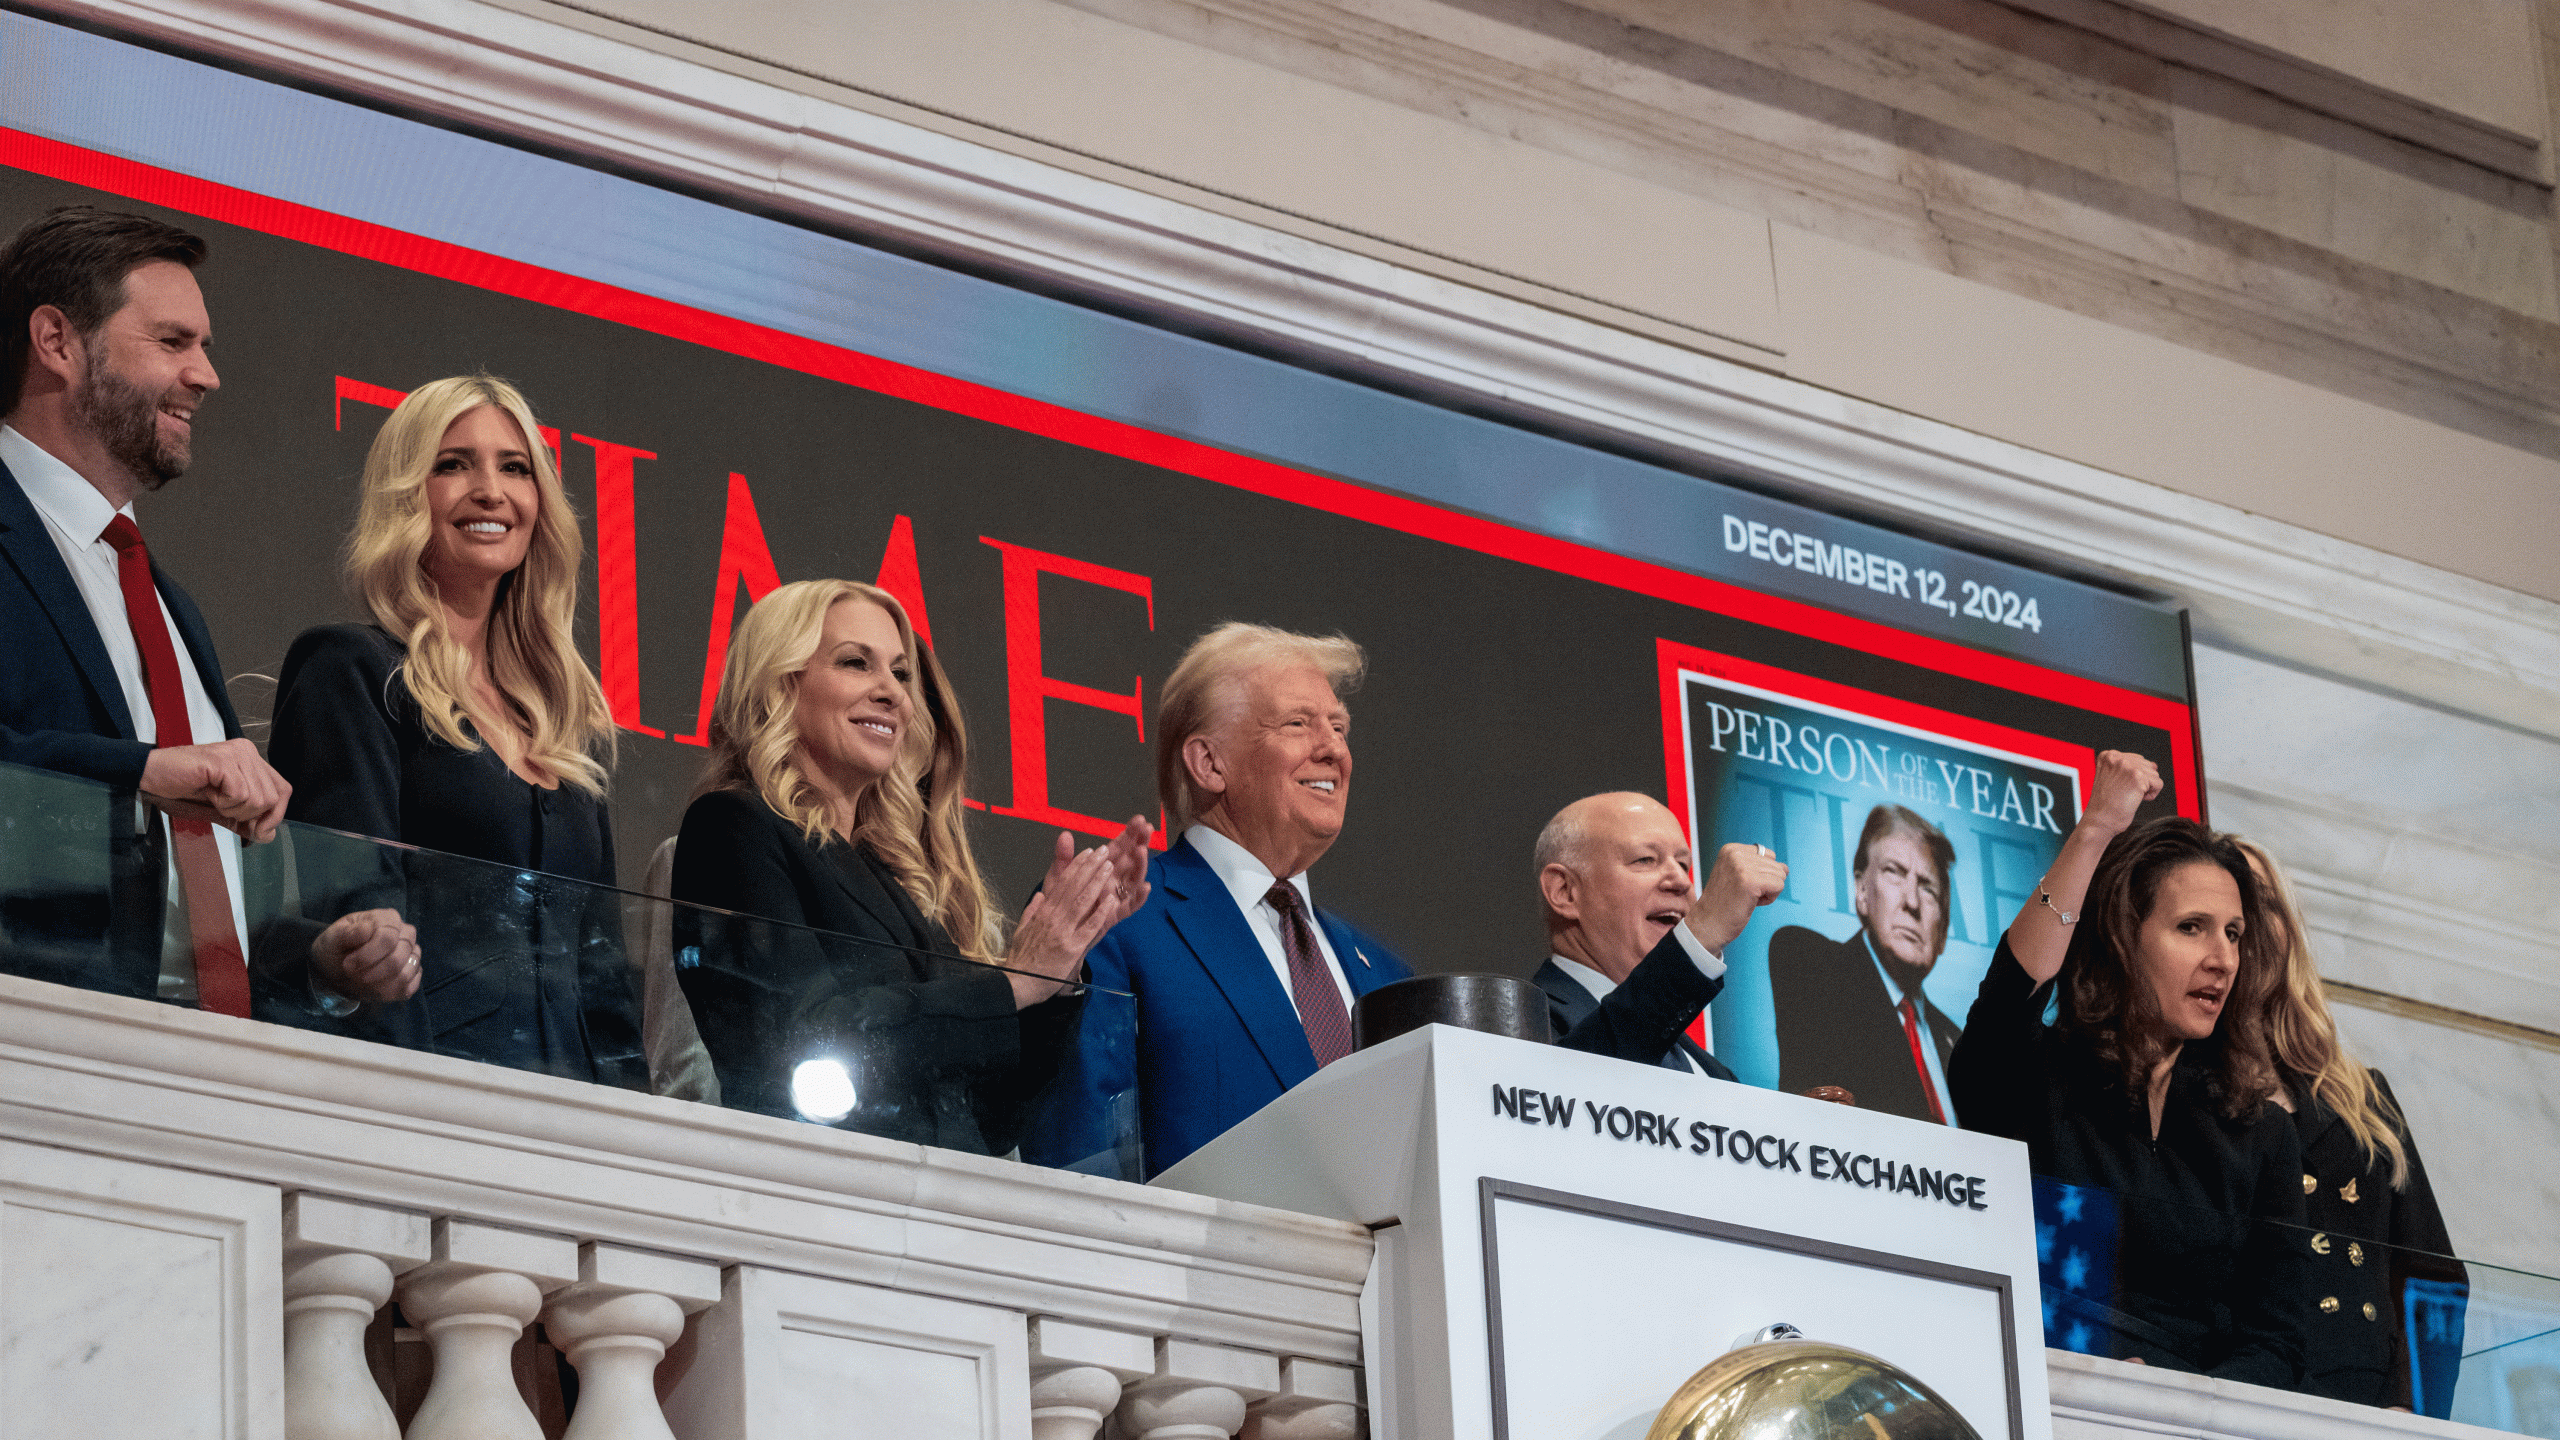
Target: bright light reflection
[(822, 1090)]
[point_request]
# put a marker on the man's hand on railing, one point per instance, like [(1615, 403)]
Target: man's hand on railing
[(228, 783), (371, 955)]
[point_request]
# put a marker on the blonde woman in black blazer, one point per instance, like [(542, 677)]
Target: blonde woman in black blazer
[(831, 805)]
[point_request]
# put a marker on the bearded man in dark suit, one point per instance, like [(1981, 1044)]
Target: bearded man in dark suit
[(107, 671), (1852, 1012)]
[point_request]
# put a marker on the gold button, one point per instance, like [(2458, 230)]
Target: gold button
[(2369, 1312), (2355, 1253), (2319, 1244), (2347, 1192), (2310, 1182), (2328, 1304)]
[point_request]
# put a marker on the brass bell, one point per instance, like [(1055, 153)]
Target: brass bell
[(1798, 1389)]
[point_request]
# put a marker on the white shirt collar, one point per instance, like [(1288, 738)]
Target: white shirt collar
[(1583, 975), (59, 492), (1246, 878)]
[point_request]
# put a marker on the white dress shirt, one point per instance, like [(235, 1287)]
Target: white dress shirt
[(1920, 1020), (1709, 963), (76, 516), (1249, 881)]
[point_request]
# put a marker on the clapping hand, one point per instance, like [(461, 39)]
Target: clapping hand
[(1082, 897)]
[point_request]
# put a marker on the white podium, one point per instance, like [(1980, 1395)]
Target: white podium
[(1563, 1239)]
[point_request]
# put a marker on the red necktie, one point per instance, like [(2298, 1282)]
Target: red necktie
[(222, 976), (1311, 980), (1920, 1057)]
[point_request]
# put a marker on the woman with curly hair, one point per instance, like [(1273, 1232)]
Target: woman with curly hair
[(2150, 1087), (463, 720), (2377, 1241), (832, 804)]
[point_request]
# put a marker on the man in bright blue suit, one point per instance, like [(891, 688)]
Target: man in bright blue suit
[(1242, 987)]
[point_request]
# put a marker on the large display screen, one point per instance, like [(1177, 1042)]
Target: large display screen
[(1067, 498)]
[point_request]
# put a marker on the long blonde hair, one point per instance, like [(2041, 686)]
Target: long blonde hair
[(912, 818), (532, 652), (2306, 1041)]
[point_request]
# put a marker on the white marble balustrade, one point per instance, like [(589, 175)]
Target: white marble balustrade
[(199, 1217), (215, 1211), (471, 1288)]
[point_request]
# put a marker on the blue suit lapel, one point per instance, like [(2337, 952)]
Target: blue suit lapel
[(1364, 973), (29, 548), (1205, 916)]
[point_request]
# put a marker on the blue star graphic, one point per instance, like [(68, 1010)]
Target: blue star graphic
[(2075, 1271)]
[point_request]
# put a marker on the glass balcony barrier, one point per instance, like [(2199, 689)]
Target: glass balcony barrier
[(537, 972), (2375, 1322)]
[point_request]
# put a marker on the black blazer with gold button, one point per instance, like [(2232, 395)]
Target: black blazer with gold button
[(2368, 1242)]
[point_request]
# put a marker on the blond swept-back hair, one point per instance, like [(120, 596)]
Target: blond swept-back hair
[(2305, 1036), (1206, 692), (912, 818), (532, 652)]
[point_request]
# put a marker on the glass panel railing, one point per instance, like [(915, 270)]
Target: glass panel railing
[(541, 973), (2373, 1322)]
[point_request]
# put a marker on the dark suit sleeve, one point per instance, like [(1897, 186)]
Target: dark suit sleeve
[(335, 739), (1642, 1019), (2272, 1288), (1997, 1075), (333, 742), (103, 758)]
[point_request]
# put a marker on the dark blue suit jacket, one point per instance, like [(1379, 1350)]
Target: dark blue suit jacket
[(1645, 1020), (1209, 1038), (62, 709)]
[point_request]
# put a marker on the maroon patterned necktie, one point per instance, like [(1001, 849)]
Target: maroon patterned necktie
[(1310, 979), (222, 976)]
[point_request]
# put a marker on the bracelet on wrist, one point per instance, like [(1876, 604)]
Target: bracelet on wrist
[(2044, 897)]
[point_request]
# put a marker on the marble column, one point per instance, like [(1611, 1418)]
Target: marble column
[(483, 1286), (340, 1258), (615, 1325)]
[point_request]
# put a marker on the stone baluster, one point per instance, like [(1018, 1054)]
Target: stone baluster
[(339, 1260), (615, 1325), (1315, 1401), (483, 1286), (1076, 1375), (1197, 1392)]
